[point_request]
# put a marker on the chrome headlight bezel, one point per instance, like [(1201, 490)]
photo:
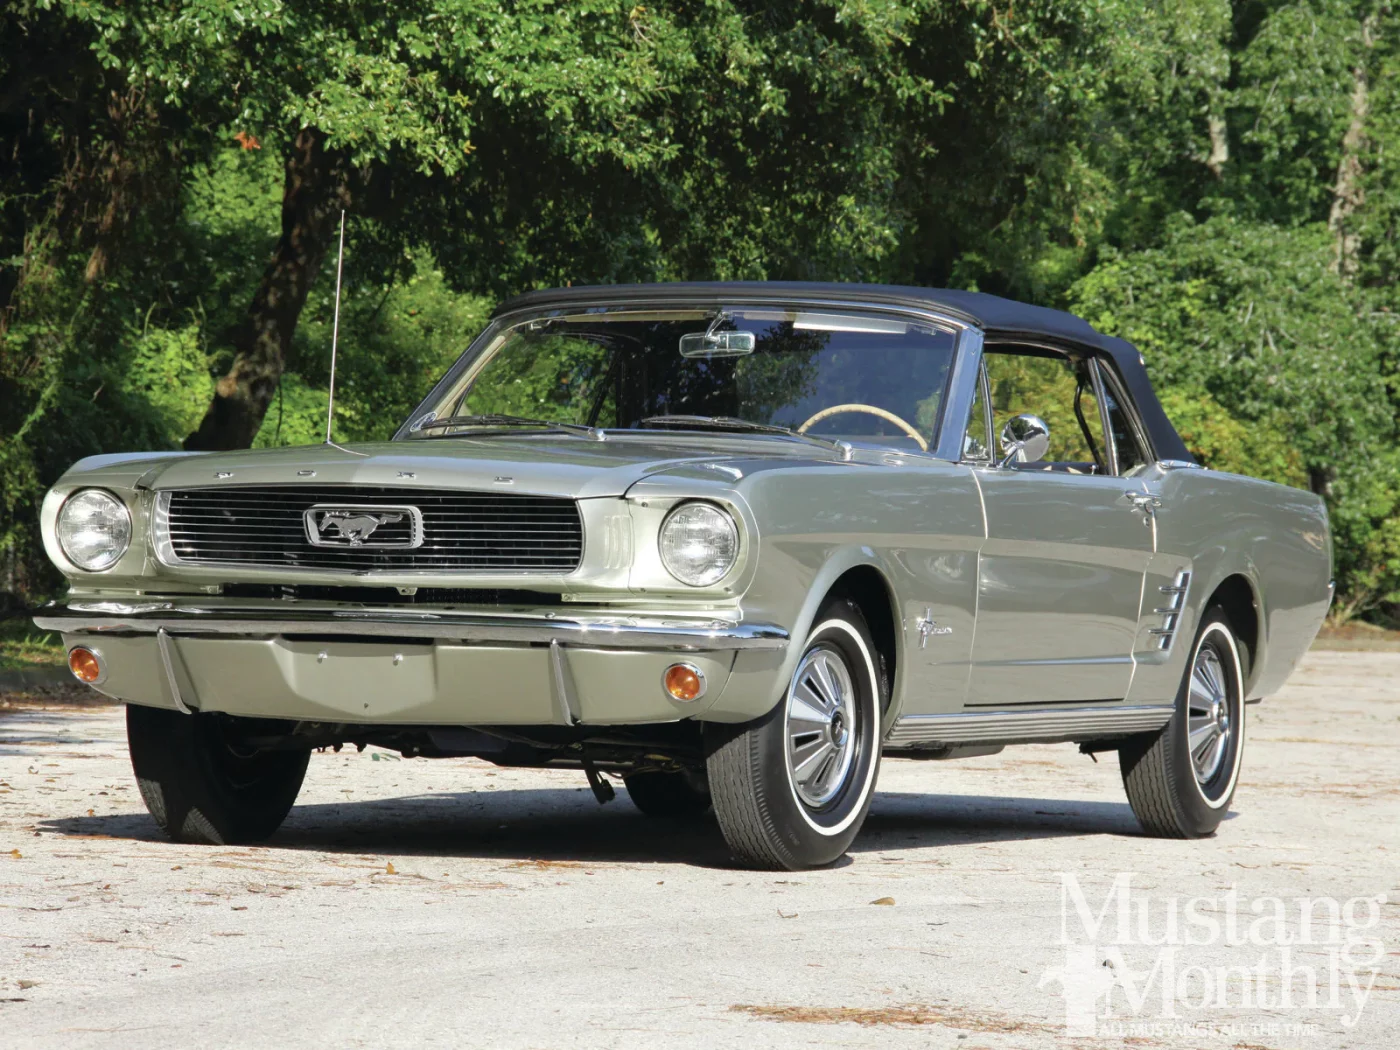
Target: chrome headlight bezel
[(121, 529), (723, 530)]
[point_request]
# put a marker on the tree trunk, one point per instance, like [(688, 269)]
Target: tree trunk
[(316, 187), (1347, 192)]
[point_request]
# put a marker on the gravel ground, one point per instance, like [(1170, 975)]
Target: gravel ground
[(419, 903)]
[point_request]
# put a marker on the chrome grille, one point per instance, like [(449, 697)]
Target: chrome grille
[(264, 526)]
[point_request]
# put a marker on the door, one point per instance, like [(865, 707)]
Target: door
[(1068, 540)]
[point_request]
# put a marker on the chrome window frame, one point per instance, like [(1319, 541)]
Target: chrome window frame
[(1114, 386), (1110, 446), (985, 387), (1106, 380)]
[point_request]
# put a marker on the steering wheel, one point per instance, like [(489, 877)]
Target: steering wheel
[(872, 410)]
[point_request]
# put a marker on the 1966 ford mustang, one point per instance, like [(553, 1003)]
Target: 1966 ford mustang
[(729, 542)]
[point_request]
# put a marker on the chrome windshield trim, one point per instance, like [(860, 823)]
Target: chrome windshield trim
[(572, 629), (961, 392), (954, 325)]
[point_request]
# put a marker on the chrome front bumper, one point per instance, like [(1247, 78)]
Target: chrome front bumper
[(418, 666), (673, 633)]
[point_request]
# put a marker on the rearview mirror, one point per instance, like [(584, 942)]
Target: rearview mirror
[(1024, 439), (717, 344)]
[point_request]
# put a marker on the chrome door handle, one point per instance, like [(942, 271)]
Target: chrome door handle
[(1146, 503)]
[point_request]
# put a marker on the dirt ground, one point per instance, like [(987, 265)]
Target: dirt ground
[(419, 903)]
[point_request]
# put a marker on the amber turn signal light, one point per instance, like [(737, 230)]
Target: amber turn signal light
[(684, 682), (84, 665)]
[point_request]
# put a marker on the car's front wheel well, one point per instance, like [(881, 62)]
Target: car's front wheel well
[(866, 587), (1235, 597)]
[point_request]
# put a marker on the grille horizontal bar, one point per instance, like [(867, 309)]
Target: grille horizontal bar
[(263, 526)]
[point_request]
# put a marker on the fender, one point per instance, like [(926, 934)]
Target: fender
[(1210, 573), (740, 702)]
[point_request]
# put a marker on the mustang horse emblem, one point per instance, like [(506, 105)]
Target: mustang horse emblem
[(353, 526)]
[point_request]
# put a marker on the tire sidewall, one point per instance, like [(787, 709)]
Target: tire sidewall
[(820, 836)]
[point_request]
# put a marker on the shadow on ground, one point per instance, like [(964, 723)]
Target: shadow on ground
[(566, 824), (34, 732)]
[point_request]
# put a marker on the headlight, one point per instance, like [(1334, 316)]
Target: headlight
[(94, 529), (699, 543)]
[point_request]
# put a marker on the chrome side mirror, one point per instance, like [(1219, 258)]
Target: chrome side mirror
[(1024, 439)]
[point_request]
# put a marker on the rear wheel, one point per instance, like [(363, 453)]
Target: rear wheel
[(661, 794), (204, 782), (1180, 781), (792, 789)]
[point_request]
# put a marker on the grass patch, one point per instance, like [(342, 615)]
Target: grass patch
[(23, 647)]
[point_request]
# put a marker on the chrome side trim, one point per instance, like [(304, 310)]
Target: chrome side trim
[(1171, 611), (917, 731), (167, 662), (601, 631)]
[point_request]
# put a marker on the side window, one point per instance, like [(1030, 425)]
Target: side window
[(1059, 390), (975, 438), (1130, 453)]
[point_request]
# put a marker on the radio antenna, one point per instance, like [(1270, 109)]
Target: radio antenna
[(335, 331)]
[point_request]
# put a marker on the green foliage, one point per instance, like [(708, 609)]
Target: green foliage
[(1222, 442), (1045, 388), (167, 380), (547, 377), (1271, 365), (23, 647), (396, 339), (297, 415), (1214, 181)]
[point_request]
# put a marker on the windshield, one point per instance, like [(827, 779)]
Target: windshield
[(856, 377)]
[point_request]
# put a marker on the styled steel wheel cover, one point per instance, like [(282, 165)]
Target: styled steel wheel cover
[(1209, 726), (1215, 715), (821, 730)]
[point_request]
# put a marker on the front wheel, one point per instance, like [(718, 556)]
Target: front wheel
[(792, 789), (1180, 781), (204, 781)]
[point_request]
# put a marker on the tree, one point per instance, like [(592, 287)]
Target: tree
[(1216, 180)]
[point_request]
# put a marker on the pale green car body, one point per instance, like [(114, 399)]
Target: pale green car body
[(1018, 605)]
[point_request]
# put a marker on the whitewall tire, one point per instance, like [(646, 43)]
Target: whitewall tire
[(792, 789), (1180, 781)]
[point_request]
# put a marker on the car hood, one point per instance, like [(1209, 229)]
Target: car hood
[(555, 465)]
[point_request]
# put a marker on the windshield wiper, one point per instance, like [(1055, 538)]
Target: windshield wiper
[(741, 425), (499, 420)]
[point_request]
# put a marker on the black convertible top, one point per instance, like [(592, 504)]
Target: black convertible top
[(1000, 320)]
